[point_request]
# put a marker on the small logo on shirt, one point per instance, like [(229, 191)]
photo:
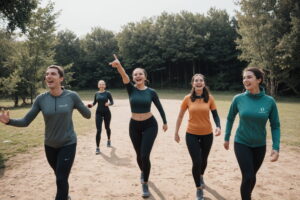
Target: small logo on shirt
[(262, 110), (63, 105)]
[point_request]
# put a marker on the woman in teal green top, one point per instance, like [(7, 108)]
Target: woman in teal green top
[(143, 125), (255, 108)]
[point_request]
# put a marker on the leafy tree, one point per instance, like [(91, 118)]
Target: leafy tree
[(265, 28), (17, 13), (96, 52)]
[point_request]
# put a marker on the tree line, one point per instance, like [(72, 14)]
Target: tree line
[(171, 47)]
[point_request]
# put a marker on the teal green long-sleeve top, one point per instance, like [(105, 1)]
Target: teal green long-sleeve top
[(57, 112), (254, 111)]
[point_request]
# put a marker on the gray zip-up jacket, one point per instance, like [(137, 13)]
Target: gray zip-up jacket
[(57, 112)]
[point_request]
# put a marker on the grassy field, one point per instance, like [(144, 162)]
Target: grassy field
[(15, 140)]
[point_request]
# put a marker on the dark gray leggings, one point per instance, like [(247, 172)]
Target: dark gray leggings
[(142, 135), (250, 160), (61, 161), (199, 147)]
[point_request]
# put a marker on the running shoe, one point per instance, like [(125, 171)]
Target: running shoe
[(97, 151), (145, 189), (199, 194), (108, 143)]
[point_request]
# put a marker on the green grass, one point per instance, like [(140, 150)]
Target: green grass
[(15, 140)]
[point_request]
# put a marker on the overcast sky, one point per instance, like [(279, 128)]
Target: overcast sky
[(80, 16)]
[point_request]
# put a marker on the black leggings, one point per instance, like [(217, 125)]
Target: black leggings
[(106, 115), (61, 161), (250, 160), (199, 147), (142, 135)]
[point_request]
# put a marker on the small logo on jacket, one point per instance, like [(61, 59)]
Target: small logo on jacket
[(63, 105), (262, 110)]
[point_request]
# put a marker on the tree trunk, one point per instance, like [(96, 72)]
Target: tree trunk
[(16, 100), (194, 67)]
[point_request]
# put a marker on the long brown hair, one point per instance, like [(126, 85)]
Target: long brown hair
[(205, 90)]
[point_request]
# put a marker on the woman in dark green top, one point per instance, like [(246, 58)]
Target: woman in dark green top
[(143, 126), (104, 99), (255, 108), (57, 107)]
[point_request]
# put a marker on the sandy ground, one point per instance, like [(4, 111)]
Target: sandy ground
[(114, 173)]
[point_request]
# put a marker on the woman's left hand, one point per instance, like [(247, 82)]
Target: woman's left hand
[(274, 155), (165, 127), (217, 131), (106, 104)]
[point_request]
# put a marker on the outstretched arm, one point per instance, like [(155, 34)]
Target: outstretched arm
[(116, 64)]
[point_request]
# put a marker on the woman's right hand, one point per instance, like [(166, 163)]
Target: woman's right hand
[(177, 138), (4, 116), (116, 63), (226, 145)]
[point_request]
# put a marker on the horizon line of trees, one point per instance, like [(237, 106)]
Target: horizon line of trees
[(170, 47)]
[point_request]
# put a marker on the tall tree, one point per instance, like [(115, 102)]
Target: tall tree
[(41, 43), (96, 51), (262, 26), (67, 48), (17, 13)]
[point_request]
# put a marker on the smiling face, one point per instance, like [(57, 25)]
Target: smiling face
[(139, 76), (53, 78), (101, 85), (250, 81), (198, 83)]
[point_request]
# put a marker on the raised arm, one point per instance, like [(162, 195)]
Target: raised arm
[(116, 64)]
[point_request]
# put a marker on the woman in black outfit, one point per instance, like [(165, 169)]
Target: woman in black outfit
[(143, 126), (102, 113)]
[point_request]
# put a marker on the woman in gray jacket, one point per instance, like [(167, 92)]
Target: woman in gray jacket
[(57, 106)]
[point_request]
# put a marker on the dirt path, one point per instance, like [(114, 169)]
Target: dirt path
[(114, 173)]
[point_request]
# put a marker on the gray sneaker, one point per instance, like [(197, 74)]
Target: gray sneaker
[(97, 151), (108, 143), (145, 189), (202, 184), (199, 194)]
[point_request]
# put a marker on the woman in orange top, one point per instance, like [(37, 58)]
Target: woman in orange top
[(199, 135)]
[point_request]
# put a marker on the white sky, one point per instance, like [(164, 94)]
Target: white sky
[(80, 16)]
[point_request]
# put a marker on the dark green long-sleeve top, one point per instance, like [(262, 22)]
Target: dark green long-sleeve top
[(140, 100), (102, 98), (57, 112), (254, 112)]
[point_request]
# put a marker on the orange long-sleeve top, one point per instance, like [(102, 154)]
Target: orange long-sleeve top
[(199, 121)]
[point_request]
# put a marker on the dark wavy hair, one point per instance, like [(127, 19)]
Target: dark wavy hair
[(205, 90), (258, 73)]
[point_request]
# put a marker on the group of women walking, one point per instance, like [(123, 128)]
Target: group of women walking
[(253, 106)]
